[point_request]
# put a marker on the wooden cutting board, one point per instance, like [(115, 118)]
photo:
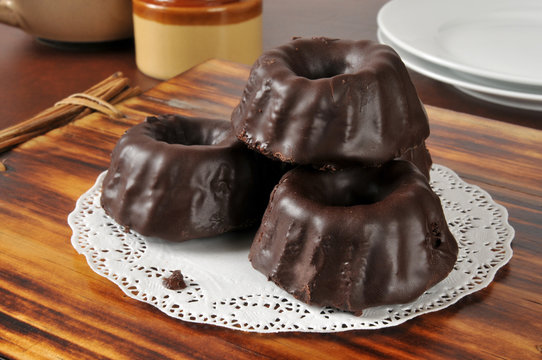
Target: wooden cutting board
[(53, 306)]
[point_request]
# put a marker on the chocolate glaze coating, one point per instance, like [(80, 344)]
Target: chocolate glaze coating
[(354, 238), (420, 157), (179, 178), (329, 103)]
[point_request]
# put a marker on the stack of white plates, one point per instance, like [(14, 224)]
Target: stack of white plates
[(490, 49)]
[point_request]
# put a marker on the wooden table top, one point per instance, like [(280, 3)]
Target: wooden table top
[(52, 305)]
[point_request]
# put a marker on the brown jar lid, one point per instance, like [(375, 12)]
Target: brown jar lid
[(197, 12)]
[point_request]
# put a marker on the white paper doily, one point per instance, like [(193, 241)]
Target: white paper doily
[(224, 290)]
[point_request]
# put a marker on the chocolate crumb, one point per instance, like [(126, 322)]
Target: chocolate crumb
[(175, 281)]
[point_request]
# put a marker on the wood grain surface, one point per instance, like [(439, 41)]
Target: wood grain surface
[(52, 305)]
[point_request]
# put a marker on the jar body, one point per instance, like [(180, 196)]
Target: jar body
[(172, 38)]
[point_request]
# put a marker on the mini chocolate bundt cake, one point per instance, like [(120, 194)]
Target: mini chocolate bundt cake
[(178, 178), (354, 238), (329, 102)]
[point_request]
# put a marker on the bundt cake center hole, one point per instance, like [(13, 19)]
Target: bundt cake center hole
[(324, 73), (317, 71), (178, 130), (337, 190)]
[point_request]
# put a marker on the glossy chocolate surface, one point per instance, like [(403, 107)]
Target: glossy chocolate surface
[(354, 238), (179, 178), (329, 103), (420, 157)]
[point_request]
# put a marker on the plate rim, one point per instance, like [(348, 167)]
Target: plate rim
[(382, 23), (531, 101)]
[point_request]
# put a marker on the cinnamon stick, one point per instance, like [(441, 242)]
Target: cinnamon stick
[(111, 90)]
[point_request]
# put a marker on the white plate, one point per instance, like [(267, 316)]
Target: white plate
[(496, 39), (493, 91), (224, 290)]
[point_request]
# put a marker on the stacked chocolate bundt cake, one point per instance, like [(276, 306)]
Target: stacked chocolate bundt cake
[(354, 238), (352, 223), (329, 103)]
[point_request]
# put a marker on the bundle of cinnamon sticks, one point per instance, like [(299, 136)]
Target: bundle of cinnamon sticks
[(99, 97)]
